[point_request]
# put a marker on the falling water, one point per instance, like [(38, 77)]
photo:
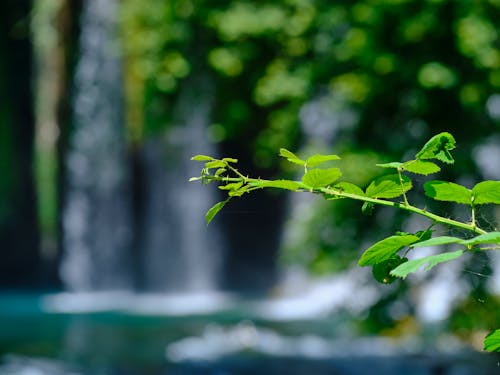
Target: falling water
[(175, 251), (96, 217), (180, 253)]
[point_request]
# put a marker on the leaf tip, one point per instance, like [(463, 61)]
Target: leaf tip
[(209, 216), (202, 158)]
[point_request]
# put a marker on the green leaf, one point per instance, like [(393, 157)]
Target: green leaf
[(421, 167), (388, 186), (486, 192), (345, 187), (215, 164), (349, 188), (280, 184), (381, 271), (214, 210), (424, 235), (414, 265), (491, 237), (416, 166), (438, 147), (385, 249), (231, 186), (318, 178), (318, 159), (442, 240), (291, 157), (492, 341), (367, 208), (238, 192), (230, 160), (394, 164), (202, 158), (448, 191), (219, 171), (287, 154)]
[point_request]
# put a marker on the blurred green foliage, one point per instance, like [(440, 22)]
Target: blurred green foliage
[(45, 41), (406, 69), (395, 61)]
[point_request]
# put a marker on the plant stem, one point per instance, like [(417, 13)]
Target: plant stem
[(330, 191), (489, 248), (407, 207), (402, 187), (237, 172)]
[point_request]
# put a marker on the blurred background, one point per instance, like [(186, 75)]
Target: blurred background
[(106, 264)]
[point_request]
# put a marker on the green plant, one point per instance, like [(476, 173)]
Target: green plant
[(388, 256)]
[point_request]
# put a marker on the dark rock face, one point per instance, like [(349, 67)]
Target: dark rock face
[(18, 228), (253, 227)]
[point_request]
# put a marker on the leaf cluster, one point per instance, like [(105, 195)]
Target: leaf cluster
[(388, 257)]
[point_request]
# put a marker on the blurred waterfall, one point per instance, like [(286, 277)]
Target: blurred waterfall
[(171, 248), (180, 253), (96, 213)]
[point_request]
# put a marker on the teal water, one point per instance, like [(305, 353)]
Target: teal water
[(94, 338), (113, 332), (103, 335)]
